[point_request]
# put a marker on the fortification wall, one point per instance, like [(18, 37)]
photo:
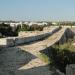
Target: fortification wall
[(50, 29), (13, 41), (67, 35)]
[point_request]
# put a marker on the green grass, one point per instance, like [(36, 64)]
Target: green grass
[(44, 58), (66, 46)]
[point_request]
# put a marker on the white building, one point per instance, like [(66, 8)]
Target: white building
[(14, 25), (54, 23), (37, 23), (27, 23)]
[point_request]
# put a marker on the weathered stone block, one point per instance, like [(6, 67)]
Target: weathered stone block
[(70, 69)]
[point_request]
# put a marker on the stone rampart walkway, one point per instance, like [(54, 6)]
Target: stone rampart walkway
[(24, 60)]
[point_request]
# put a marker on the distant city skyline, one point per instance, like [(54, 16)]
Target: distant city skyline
[(37, 10)]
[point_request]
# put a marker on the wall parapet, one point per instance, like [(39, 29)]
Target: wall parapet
[(14, 41)]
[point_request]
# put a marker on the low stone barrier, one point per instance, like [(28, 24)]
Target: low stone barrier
[(22, 40), (41, 35), (6, 42), (13, 41)]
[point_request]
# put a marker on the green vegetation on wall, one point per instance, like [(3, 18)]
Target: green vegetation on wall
[(62, 55)]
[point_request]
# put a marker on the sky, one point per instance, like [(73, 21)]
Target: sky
[(37, 10)]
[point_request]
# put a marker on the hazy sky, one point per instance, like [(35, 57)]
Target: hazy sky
[(51, 10)]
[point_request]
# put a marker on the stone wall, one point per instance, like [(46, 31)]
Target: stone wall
[(50, 29), (70, 69), (6, 42), (22, 40), (67, 35), (13, 41)]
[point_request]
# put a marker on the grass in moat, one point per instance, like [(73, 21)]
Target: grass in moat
[(60, 56), (44, 58), (66, 46)]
